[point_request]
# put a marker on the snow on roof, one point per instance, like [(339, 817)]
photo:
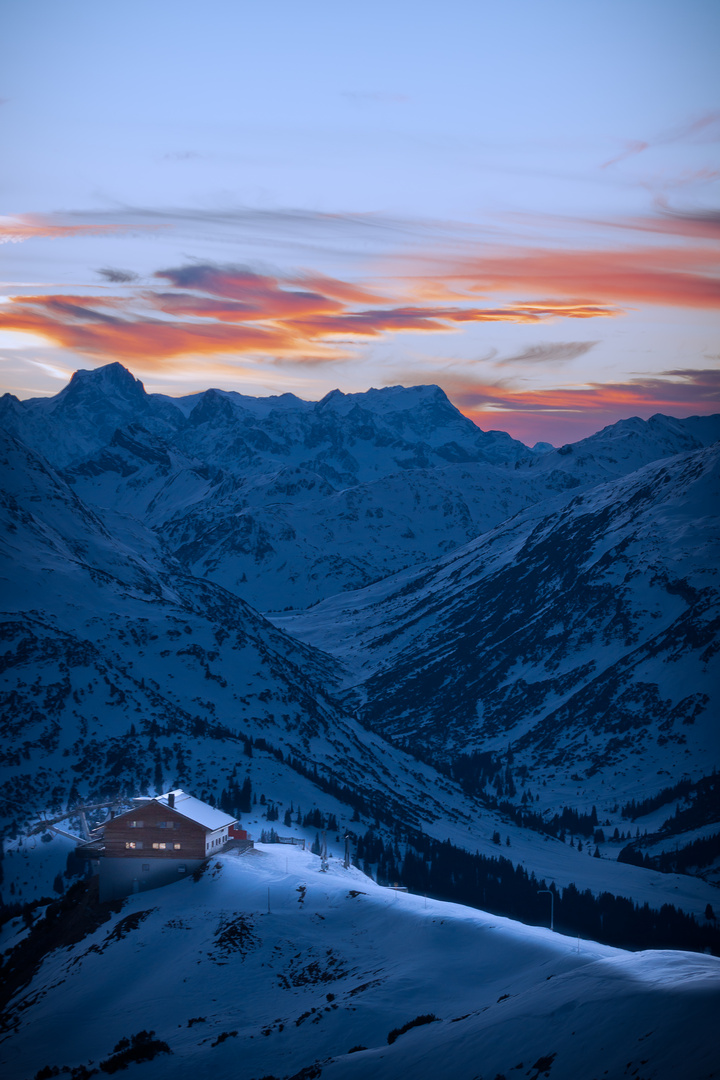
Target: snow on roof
[(195, 810)]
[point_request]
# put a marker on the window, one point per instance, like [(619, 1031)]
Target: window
[(160, 847), (182, 869), (177, 846), (168, 824), (130, 844), (146, 866), (135, 824)]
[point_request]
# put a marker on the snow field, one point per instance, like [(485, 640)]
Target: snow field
[(338, 962)]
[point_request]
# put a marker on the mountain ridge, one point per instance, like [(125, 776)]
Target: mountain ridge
[(136, 652), (506, 616)]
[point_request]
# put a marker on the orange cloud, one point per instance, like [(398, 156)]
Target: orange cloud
[(340, 290), (255, 296), (86, 329), (572, 412), (219, 309), (31, 226), (678, 276), (677, 388), (377, 321)]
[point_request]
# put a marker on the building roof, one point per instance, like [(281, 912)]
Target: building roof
[(190, 807)]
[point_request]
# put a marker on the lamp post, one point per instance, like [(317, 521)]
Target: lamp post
[(552, 905)]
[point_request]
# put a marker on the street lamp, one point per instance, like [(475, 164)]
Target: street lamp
[(552, 904)]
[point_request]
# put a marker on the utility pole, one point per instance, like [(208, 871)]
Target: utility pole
[(552, 905), (346, 862), (324, 854)]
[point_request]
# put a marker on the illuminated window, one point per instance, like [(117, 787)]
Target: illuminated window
[(130, 844), (160, 847), (177, 846), (135, 824)]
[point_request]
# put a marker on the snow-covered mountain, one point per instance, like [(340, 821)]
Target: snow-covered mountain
[(270, 966), (623, 447), (346, 436), (476, 599), (286, 502), (119, 670), (582, 632)]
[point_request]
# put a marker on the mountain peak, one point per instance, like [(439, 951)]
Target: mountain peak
[(109, 377), (333, 396)]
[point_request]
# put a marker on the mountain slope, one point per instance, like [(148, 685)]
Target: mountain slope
[(121, 674), (568, 649), (298, 973), (585, 636), (119, 670), (285, 502), (347, 436), (627, 445)]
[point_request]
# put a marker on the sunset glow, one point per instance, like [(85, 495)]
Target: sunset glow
[(290, 221)]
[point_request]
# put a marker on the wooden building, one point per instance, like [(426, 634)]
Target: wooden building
[(160, 840)]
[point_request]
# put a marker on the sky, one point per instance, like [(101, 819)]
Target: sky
[(517, 202)]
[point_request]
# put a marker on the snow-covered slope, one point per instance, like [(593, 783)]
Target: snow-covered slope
[(269, 966), (578, 624), (347, 436), (585, 635), (119, 670), (83, 416), (289, 539), (286, 502), (628, 445)]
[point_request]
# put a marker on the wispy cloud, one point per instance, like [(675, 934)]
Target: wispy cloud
[(677, 388), (553, 353), (213, 308), (567, 412), (89, 330), (703, 223), (116, 276), (706, 127), (32, 226), (448, 282), (685, 276), (697, 223), (285, 230)]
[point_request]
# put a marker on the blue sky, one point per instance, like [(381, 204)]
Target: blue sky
[(515, 201)]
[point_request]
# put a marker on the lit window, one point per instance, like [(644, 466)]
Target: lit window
[(160, 847), (129, 844), (177, 846), (135, 824)]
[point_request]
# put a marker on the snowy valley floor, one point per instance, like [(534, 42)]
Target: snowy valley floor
[(268, 967)]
